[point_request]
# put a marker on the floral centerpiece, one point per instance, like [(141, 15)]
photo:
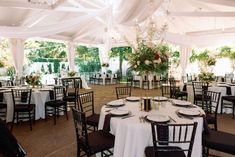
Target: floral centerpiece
[(149, 57), (206, 76), (71, 73), (33, 80)]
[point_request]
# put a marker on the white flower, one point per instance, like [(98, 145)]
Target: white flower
[(147, 62), (138, 62), (135, 66), (157, 61)]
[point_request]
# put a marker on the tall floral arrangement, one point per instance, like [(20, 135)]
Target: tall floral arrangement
[(149, 57)]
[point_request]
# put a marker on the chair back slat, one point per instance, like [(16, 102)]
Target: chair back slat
[(58, 93), (21, 96), (211, 101), (199, 87), (86, 102), (80, 128), (72, 85), (166, 90), (173, 134), (123, 92)]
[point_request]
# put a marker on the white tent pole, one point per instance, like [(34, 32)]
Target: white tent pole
[(17, 50), (71, 55)]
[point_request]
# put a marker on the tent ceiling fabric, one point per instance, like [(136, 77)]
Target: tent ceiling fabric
[(191, 22)]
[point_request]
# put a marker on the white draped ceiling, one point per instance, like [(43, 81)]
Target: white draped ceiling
[(104, 22)]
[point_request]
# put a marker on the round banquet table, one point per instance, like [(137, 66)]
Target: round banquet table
[(132, 135), (39, 97)]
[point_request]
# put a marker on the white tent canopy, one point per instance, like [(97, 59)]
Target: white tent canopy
[(105, 22), (191, 22)]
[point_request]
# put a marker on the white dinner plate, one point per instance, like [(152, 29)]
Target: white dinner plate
[(189, 112), (119, 112), (181, 103), (158, 118), (160, 98), (116, 103), (133, 98)]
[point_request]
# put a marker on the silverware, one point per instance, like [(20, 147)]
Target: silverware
[(172, 119)]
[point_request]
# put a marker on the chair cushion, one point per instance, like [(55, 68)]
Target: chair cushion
[(220, 141), (55, 103), (69, 98), (149, 152), (93, 119), (100, 140), (24, 108)]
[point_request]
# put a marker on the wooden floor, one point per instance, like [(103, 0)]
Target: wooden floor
[(49, 140)]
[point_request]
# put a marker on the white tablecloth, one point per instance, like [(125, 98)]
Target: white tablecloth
[(38, 98), (222, 90), (131, 136)]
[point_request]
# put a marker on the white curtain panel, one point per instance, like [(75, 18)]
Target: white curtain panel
[(71, 55), (17, 50), (184, 58), (103, 53)]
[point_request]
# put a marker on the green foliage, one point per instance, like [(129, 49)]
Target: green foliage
[(87, 59), (1, 64), (46, 51), (42, 69), (122, 53), (56, 66), (203, 57), (175, 57), (11, 71), (49, 68), (226, 51), (129, 73)]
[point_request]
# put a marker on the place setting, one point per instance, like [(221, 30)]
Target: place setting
[(133, 99), (189, 113), (160, 98), (115, 104), (181, 103), (158, 118)]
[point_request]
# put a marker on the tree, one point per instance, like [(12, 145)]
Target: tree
[(87, 59), (122, 53), (46, 51)]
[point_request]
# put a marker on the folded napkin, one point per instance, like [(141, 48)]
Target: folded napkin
[(1, 97), (107, 119), (163, 134), (228, 90), (24, 96)]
